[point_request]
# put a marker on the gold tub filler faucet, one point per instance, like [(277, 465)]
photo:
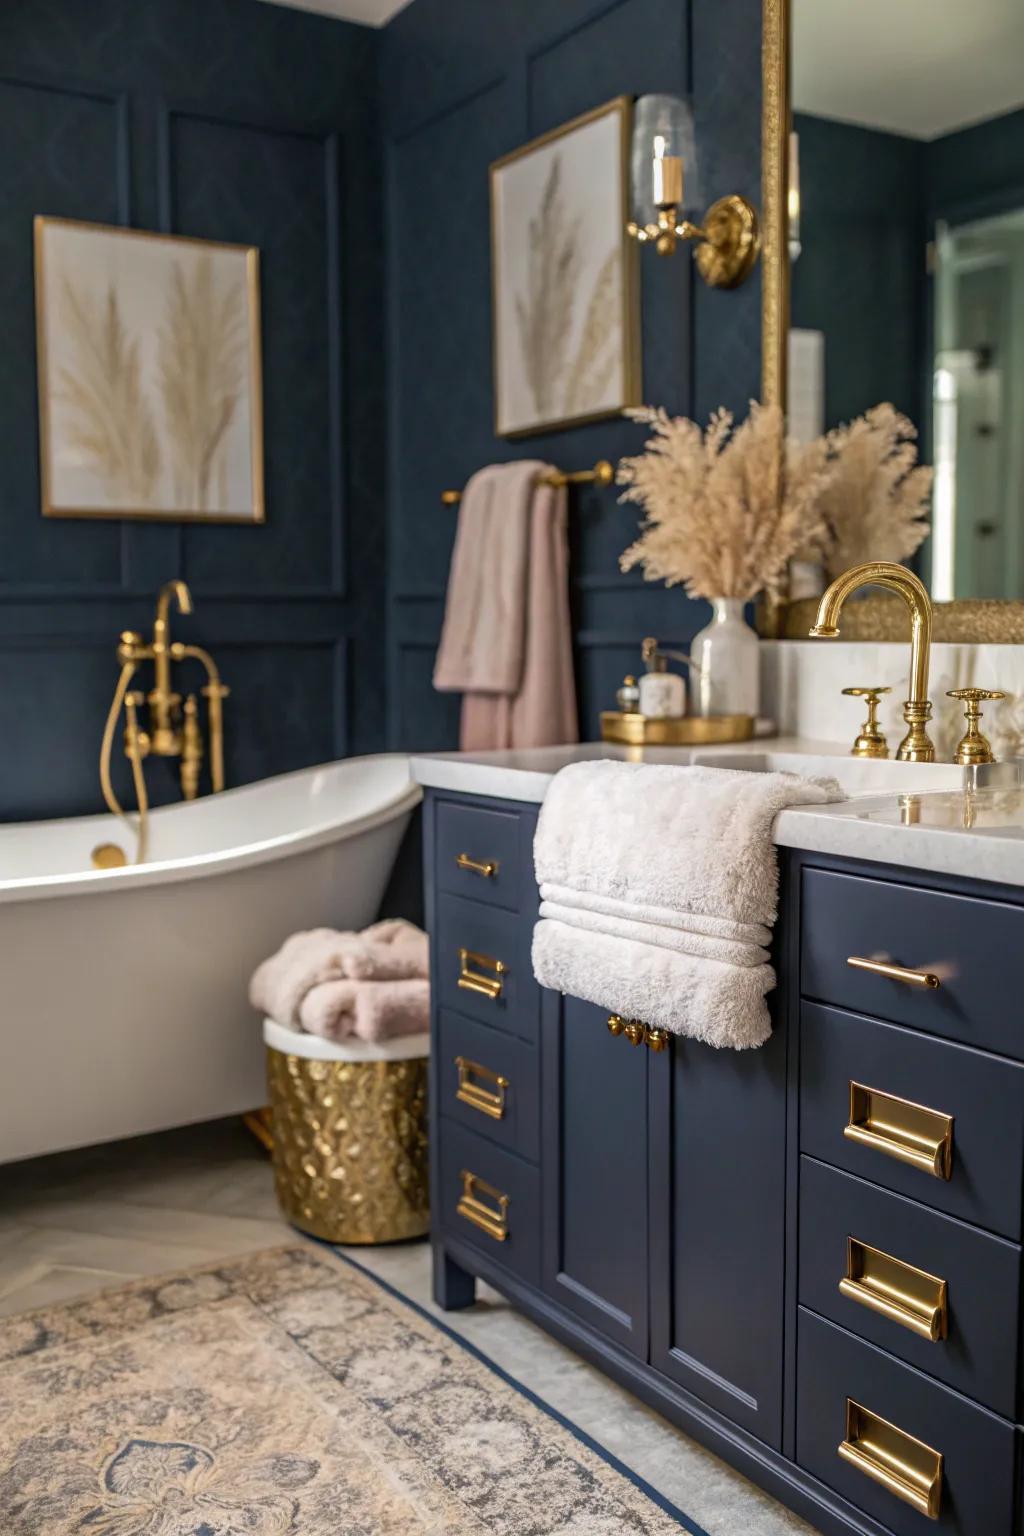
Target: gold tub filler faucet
[(173, 724)]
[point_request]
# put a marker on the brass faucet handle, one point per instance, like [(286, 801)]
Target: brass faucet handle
[(973, 748), (871, 742)]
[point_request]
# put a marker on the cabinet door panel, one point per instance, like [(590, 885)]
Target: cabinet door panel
[(595, 1173), (718, 1133)]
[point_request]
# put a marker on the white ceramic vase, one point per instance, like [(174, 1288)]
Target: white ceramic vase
[(727, 653)]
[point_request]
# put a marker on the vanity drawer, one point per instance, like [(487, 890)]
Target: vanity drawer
[(483, 854), (489, 1082), (972, 947), (483, 966), (490, 1200), (962, 1282), (975, 1489), (906, 1088)]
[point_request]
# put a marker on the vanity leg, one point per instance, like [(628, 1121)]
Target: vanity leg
[(454, 1287)]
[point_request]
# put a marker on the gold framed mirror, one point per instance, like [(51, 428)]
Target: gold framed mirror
[(908, 279)]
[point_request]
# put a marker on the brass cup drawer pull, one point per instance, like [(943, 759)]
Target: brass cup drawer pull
[(472, 981), (898, 1291), (926, 979), (898, 1128), (473, 1092), (492, 1217), (488, 868), (637, 1033), (907, 1468)]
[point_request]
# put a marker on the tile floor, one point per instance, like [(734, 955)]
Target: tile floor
[(83, 1221)]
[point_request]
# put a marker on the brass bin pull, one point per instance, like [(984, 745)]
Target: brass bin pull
[(493, 1218), (898, 1291), (472, 1092), (907, 1468), (894, 972), (898, 1128), (488, 868), (472, 981)]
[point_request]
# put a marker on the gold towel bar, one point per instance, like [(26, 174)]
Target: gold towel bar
[(603, 473)]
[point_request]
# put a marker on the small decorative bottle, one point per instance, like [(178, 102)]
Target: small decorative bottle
[(628, 696), (662, 693)]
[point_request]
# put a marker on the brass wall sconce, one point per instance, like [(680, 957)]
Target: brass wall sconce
[(728, 239)]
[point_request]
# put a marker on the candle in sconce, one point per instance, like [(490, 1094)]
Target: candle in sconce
[(668, 180)]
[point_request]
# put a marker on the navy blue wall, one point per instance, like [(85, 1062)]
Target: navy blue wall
[(234, 121), (464, 82)]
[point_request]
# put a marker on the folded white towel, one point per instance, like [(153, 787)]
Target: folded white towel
[(670, 917), (683, 940), (659, 887), (723, 1005)]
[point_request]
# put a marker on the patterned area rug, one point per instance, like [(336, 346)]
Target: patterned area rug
[(283, 1393)]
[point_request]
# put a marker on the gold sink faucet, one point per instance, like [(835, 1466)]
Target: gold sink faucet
[(174, 729), (916, 746)]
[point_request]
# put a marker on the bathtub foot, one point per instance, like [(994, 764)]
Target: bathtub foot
[(454, 1287)]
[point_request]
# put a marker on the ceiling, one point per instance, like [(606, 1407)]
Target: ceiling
[(918, 67), (373, 13)]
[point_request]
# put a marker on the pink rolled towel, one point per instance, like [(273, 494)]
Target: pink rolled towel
[(370, 1010), (393, 950)]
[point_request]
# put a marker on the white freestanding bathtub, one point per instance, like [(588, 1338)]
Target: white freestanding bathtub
[(123, 1003)]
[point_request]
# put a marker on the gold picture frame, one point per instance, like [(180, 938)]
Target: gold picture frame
[(619, 108), (109, 344)]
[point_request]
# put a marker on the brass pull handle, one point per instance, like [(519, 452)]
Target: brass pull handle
[(907, 1468), (488, 869), (894, 972), (473, 1093), (898, 1291), (472, 981), (492, 1219), (898, 1128)]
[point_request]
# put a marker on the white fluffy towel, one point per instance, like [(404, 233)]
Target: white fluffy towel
[(659, 887)]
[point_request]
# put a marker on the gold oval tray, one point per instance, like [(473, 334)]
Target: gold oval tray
[(692, 730)]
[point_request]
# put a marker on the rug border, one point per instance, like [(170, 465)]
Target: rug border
[(689, 1526)]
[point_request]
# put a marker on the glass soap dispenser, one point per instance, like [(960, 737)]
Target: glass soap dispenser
[(662, 693)]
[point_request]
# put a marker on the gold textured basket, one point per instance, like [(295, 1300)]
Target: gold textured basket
[(350, 1146)]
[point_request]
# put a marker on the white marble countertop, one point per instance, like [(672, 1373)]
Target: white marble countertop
[(914, 815)]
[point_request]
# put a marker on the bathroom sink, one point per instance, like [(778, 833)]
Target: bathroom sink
[(855, 775)]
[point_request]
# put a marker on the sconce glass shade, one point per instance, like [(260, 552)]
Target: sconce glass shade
[(662, 128)]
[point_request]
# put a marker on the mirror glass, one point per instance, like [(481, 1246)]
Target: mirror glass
[(907, 255)]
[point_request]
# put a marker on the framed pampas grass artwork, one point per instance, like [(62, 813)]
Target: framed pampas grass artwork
[(150, 381), (564, 286)]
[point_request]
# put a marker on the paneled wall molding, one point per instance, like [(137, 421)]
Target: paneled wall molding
[(175, 116), (328, 141), (115, 98)]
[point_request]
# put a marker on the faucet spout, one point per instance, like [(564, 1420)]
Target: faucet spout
[(916, 746), (163, 702)]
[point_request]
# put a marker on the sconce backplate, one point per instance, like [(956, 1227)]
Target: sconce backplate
[(727, 256)]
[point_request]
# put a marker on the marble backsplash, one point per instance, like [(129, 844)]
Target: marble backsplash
[(802, 683)]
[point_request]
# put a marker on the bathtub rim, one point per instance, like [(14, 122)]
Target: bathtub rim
[(133, 877)]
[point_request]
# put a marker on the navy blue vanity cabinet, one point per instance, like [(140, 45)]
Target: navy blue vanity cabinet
[(595, 1173), (808, 1256)]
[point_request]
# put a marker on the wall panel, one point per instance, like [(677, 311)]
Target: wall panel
[(232, 121), (462, 93)]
